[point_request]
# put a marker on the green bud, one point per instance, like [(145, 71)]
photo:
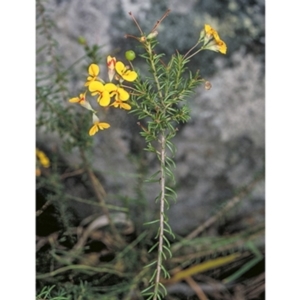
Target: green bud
[(130, 55)]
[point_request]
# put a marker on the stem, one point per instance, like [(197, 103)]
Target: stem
[(42, 209), (191, 49), (161, 213), (162, 158), (189, 57), (149, 50)]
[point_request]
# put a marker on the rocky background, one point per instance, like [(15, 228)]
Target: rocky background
[(221, 149)]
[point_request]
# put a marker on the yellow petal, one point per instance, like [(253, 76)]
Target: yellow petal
[(120, 67), (104, 99), (74, 100), (216, 36), (94, 70), (126, 106), (96, 86), (43, 159), (110, 87), (123, 95), (115, 104), (222, 47), (93, 130), (208, 29), (130, 75), (103, 125)]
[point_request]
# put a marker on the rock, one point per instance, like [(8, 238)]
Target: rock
[(221, 149)]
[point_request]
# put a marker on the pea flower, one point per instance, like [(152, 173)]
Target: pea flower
[(121, 104), (97, 125), (111, 63), (81, 99), (98, 88), (124, 72), (42, 158), (93, 71), (119, 94), (215, 43)]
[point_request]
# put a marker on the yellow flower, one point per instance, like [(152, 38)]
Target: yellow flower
[(121, 104), (215, 43), (81, 99), (97, 125), (93, 71), (42, 158), (43, 161), (111, 63), (120, 95), (97, 88), (124, 72), (117, 92)]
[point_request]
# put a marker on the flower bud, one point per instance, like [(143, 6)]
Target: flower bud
[(111, 62), (152, 35)]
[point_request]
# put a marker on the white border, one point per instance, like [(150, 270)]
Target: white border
[(17, 123), (283, 150), (17, 156)]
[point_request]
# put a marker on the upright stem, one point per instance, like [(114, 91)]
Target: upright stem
[(161, 214), (162, 158), (149, 50)]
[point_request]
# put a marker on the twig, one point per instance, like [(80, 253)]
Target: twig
[(71, 174), (82, 268), (42, 209), (196, 287)]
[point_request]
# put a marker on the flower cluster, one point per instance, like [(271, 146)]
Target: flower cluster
[(108, 94), (211, 40)]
